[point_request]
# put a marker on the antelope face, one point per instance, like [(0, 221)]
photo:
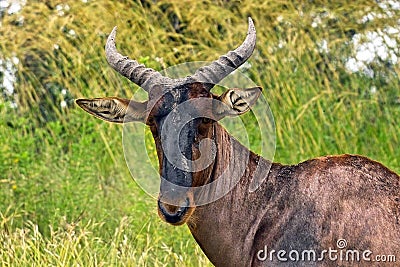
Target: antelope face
[(178, 127), (181, 114)]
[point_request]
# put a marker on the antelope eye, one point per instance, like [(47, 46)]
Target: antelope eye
[(206, 120), (150, 121)]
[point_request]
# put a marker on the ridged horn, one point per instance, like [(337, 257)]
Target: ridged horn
[(213, 73), (131, 69)]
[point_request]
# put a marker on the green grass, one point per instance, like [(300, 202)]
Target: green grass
[(66, 205), (66, 195)]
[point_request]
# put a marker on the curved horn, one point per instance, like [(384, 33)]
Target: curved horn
[(131, 69), (224, 65)]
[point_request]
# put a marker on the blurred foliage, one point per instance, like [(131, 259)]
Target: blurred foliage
[(61, 166)]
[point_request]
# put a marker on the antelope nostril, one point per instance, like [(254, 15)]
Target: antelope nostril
[(180, 209), (173, 214)]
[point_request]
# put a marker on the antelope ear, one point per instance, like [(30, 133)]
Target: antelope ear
[(114, 109), (237, 101)]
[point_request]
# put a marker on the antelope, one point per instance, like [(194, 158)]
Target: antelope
[(299, 214)]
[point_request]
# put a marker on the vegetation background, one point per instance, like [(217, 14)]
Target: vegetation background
[(66, 195)]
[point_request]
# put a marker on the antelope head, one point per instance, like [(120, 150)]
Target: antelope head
[(181, 114)]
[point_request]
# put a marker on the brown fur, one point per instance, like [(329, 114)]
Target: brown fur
[(306, 206)]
